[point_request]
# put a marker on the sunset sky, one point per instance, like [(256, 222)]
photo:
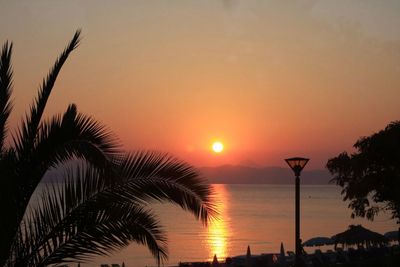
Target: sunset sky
[(269, 79)]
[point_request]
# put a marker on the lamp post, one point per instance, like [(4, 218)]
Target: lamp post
[(297, 164)]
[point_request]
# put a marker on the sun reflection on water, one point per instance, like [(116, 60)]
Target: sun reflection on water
[(218, 230)]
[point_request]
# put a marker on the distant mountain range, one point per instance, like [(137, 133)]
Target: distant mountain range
[(230, 174), (236, 174)]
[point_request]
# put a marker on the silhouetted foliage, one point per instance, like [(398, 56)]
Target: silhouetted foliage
[(101, 204), (370, 177)]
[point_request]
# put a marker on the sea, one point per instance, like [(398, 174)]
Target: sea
[(260, 216)]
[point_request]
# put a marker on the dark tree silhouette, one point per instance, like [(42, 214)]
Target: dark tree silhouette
[(370, 177), (102, 205)]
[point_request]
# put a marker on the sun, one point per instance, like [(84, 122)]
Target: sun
[(217, 147)]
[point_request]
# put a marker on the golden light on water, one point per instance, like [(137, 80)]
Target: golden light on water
[(217, 239), (218, 230)]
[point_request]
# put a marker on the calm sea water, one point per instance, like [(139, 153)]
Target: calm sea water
[(261, 216)]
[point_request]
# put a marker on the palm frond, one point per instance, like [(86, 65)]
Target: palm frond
[(159, 176), (72, 225), (75, 135), (67, 137), (5, 90), (92, 195), (112, 230), (27, 133)]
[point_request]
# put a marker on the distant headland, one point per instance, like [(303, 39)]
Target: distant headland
[(239, 174)]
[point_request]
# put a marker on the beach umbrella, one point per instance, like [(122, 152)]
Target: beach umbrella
[(248, 253), (215, 261), (248, 257), (282, 257), (356, 235), (318, 241), (282, 251), (392, 235)]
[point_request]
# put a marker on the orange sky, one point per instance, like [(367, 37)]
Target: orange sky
[(270, 79)]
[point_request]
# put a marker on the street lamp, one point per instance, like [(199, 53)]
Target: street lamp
[(297, 164)]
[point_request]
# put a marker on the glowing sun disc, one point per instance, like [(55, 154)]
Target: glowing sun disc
[(217, 147)]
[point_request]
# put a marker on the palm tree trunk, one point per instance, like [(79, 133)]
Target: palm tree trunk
[(9, 227), (13, 205)]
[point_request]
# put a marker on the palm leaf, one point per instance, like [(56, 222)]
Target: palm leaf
[(113, 229), (71, 136), (75, 222), (61, 139), (87, 232), (136, 180), (5, 90), (27, 133), (158, 176)]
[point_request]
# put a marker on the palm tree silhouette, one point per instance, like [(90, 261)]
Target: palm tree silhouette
[(102, 202)]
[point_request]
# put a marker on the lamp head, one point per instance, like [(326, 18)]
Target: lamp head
[(297, 164)]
